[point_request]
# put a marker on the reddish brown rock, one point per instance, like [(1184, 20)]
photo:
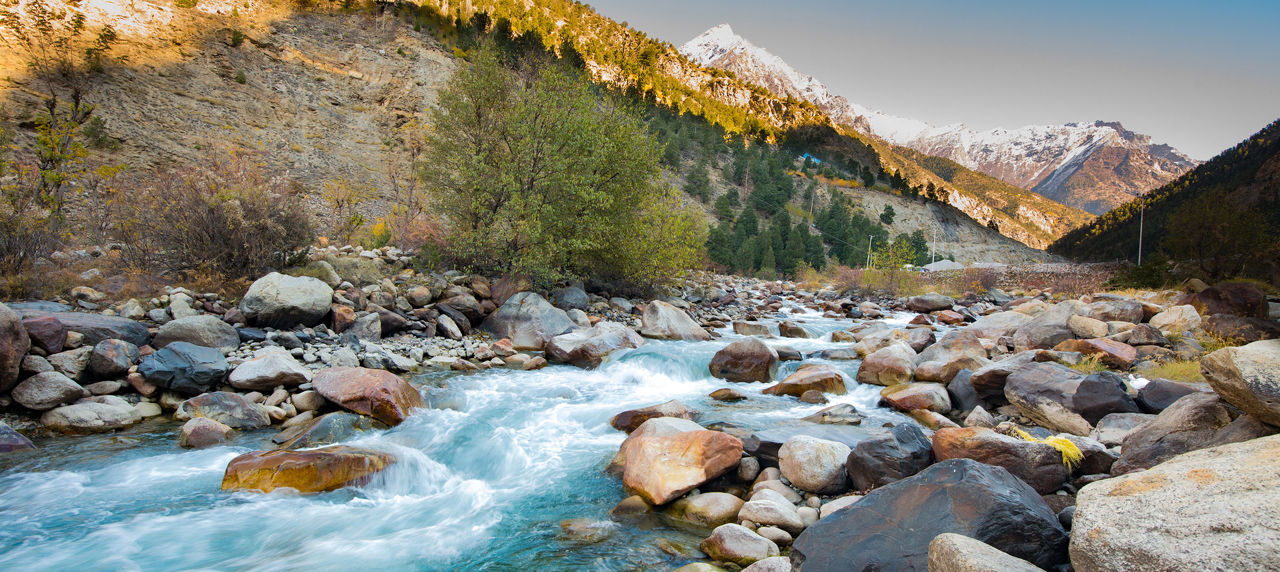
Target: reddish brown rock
[(1038, 464), (950, 317), (816, 377), (311, 471), (373, 392), (1118, 355), (343, 317), (661, 468), (748, 359), (46, 332), (920, 395), (631, 419), (509, 286)]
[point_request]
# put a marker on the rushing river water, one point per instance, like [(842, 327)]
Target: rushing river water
[(481, 488)]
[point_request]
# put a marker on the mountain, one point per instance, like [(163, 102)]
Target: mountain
[(1093, 166), (1224, 216)]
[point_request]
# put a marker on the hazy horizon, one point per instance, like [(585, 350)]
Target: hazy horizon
[(1198, 77)]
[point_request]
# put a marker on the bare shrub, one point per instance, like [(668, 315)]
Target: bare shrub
[(228, 217)]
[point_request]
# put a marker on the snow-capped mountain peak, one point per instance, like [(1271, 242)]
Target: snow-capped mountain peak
[(1116, 164)]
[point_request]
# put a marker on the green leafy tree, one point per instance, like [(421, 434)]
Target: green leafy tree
[(536, 174)]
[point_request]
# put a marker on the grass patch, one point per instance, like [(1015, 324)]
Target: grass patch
[(1179, 370), (1212, 342), (1090, 365)]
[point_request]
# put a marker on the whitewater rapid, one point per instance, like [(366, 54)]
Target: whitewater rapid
[(480, 488)]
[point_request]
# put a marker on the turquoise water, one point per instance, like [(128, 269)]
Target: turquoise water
[(484, 488)]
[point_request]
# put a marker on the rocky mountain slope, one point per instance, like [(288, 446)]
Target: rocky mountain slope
[(1091, 166)]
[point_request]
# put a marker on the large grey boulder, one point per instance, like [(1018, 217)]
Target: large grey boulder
[(814, 465), (955, 351), (528, 321), (185, 368), (570, 298), (47, 390), (1065, 400), (587, 348), (888, 456), (889, 365), (203, 330), (998, 325), (1212, 509), (1049, 328), (269, 370), (88, 417), (891, 528), (281, 301), (1248, 377), (663, 321), (1196, 421), (930, 302), (14, 344)]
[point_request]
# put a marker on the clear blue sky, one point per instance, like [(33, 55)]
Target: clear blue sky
[(1199, 75)]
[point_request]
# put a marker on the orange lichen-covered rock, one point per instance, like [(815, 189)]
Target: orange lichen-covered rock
[(311, 471)]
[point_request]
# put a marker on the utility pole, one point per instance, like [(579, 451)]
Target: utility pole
[(933, 250), (869, 239), (1142, 212)]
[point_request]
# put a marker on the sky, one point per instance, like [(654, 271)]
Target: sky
[(1201, 76)]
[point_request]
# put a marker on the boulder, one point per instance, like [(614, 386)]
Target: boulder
[(1176, 320), (750, 329), (45, 391), (737, 544), (888, 456), (1049, 328), (666, 322), (508, 286), (631, 419), (839, 414), (1038, 464), (88, 417), (662, 467), (463, 308), (1212, 509), (814, 465), (998, 325), (1158, 394), (1247, 377), (660, 426), (231, 409), (920, 338), (271, 369), (1115, 310), (790, 329), (747, 359), (707, 510), (988, 381), (1117, 355), (201, 432), (766, 443), (919, 395), (1196, 421), (809, 377), (727, 395), (112, 358), (11, 440), (1085, 327), (527, 320), (281, 301), (587, 348), (950, 552), (1065, 400), (310, 471), (890, 365), (377, 393), (1146, 335), (964, 397), (570, 298), (767, 508), (14, 343), (1112, 429), (73, 363), (931, 302), (891, 528), (97, 327), (1234, 298), (185, 368), (943, 360), (1242, 328), (45, 332), (205, 330)]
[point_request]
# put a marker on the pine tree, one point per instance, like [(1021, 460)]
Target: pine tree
[(768, 267), (886, 216)]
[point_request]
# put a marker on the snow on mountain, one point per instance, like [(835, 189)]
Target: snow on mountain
[(1090, 165)]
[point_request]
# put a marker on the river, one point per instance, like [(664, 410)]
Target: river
[(480, 488)]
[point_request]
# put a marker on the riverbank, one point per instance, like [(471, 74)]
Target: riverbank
[(490, 448)]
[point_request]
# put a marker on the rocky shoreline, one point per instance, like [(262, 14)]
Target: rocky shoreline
[(1025, 406)]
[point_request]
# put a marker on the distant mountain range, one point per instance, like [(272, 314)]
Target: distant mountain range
[(1093, 166)]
